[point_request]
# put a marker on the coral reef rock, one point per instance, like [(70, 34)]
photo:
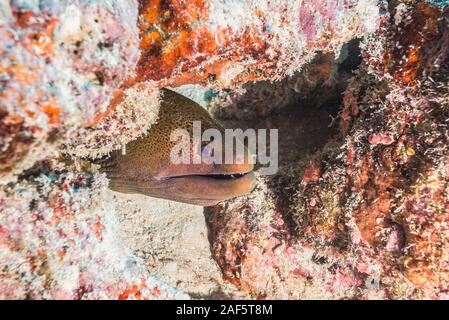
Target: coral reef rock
[(82, 78), (369, 213), (227, 43)]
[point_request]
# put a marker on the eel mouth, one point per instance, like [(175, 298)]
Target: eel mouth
[(217, 176)]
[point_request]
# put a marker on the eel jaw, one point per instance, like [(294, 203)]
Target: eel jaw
[(197, 189)]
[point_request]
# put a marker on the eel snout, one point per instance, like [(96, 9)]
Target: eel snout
[(146, 168)]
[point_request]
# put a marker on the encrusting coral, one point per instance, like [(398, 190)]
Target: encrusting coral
[(369, 218), (60, 65), (227, 43), (368, 215)]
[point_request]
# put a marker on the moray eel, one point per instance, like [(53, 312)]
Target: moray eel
[(146, 168)]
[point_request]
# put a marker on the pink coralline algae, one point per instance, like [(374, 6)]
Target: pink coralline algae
[(380, 139)]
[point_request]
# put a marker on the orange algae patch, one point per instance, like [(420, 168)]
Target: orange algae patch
[(53, 112), (168, 36), (311, 173), (99, 227), (133, 291), (404, 60)]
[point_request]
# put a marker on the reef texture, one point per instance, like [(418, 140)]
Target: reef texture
[(316, 81), (60, 64), (369, 214), (227, 43), (71, 70), (368, 217)]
